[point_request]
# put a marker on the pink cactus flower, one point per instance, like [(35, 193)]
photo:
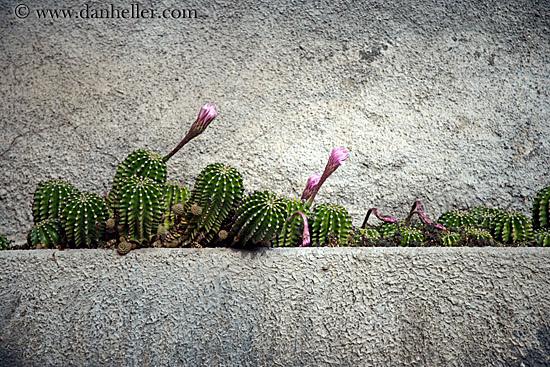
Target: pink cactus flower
[(207, 113), (310, 186), (336, 158)]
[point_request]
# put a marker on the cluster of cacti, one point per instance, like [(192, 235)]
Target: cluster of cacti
[(541, 209), (457, 219), (49, 199), (46, 234), (330, 219), (512, 227), (139, 208), (174, 194), (259, 218), (217, 191)]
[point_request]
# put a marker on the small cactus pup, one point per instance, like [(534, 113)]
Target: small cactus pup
[(541, 209), (474, 236), (218, 189), (336, 158), (83, 219), (124, 247), (4, 243), (49, 198), (46, 234), (513, 227), (140, 205), (542, 236), (258, 219), (411, 236), (449, 238), (292, 231), (457, 219), (330, 218), (174, 194)]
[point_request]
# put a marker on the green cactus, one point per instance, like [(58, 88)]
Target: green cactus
[(330, 218), (486, 217), (512, 227), (142, 163), (457, 219), (291, 231), (46, 234), (541, 209), (83, 219), (363, 236), (542, 236), (218, 190), (388, 229), (173, 194), (449, 238), (49, 198), (411, 236), (140, 204), (259, 218), (475, 233), (4, 243)]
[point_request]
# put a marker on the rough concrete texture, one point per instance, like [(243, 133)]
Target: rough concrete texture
[(283, 307), (446, 102)]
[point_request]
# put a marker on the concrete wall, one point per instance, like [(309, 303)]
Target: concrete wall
[(284, 307), (446, 102)]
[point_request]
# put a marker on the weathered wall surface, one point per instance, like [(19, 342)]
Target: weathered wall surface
[(446, 102), (283, 307)]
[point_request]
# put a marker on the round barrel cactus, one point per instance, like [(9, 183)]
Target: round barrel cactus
[(46, 234), (541, 209), (388, 229), (330, 219), (140, 204), (457, 219), (542, 236), (49, 198), (259, 218), (449, 238), (83, 219), (486, 217), (411, 236), (293, 227), (512, 227)]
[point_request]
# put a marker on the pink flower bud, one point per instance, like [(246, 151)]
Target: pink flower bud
[(310, 186), (336, 158)]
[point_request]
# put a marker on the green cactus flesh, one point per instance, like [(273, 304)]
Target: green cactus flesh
[(449, 238), (457, 219), (513, 227), (388, 229), (218, 190), (259, 217), (46, 234), (330, 219), (486, 217), (83, 219), (173, 194), (542, 236), (140, 205), (142, 163), (411, 236), (477, 233), (49, 198), (541, 209), (4, 243), (291, 231)]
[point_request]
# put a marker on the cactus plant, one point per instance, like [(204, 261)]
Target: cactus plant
[(486, 217), (388, 229), (449, 238), (291, 231), (542, 236), (472, 233), (330, 218), (83, 219), (46, 234), (217, 190), (258, 218), (4, 243), (140, 204), (457, 219), (512, 227), (174, 194), (411, 236), (541, 209), (49, 198)]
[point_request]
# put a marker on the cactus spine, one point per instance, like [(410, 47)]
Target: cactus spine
[(512, 227), (46, 234), (218, 189), (541, 209), (457, 219), (291, 231), (411, 236), (449, 238), (328, 219), (542, 236), (259, 218), (174, 194), (140, 205), (83, 219), (49, 198)]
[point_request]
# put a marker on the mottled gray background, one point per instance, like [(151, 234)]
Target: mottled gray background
[(442, 101)]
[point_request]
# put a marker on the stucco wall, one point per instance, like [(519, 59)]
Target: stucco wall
[(284, 307), (445, 102)]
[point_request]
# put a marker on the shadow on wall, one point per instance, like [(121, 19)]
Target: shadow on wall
[(536, 357)]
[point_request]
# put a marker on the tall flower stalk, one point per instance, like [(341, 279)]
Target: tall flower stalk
[(336, 158), (207, 113)]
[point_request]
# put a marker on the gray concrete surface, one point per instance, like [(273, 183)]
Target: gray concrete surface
[(442, 101), (284, 307)]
